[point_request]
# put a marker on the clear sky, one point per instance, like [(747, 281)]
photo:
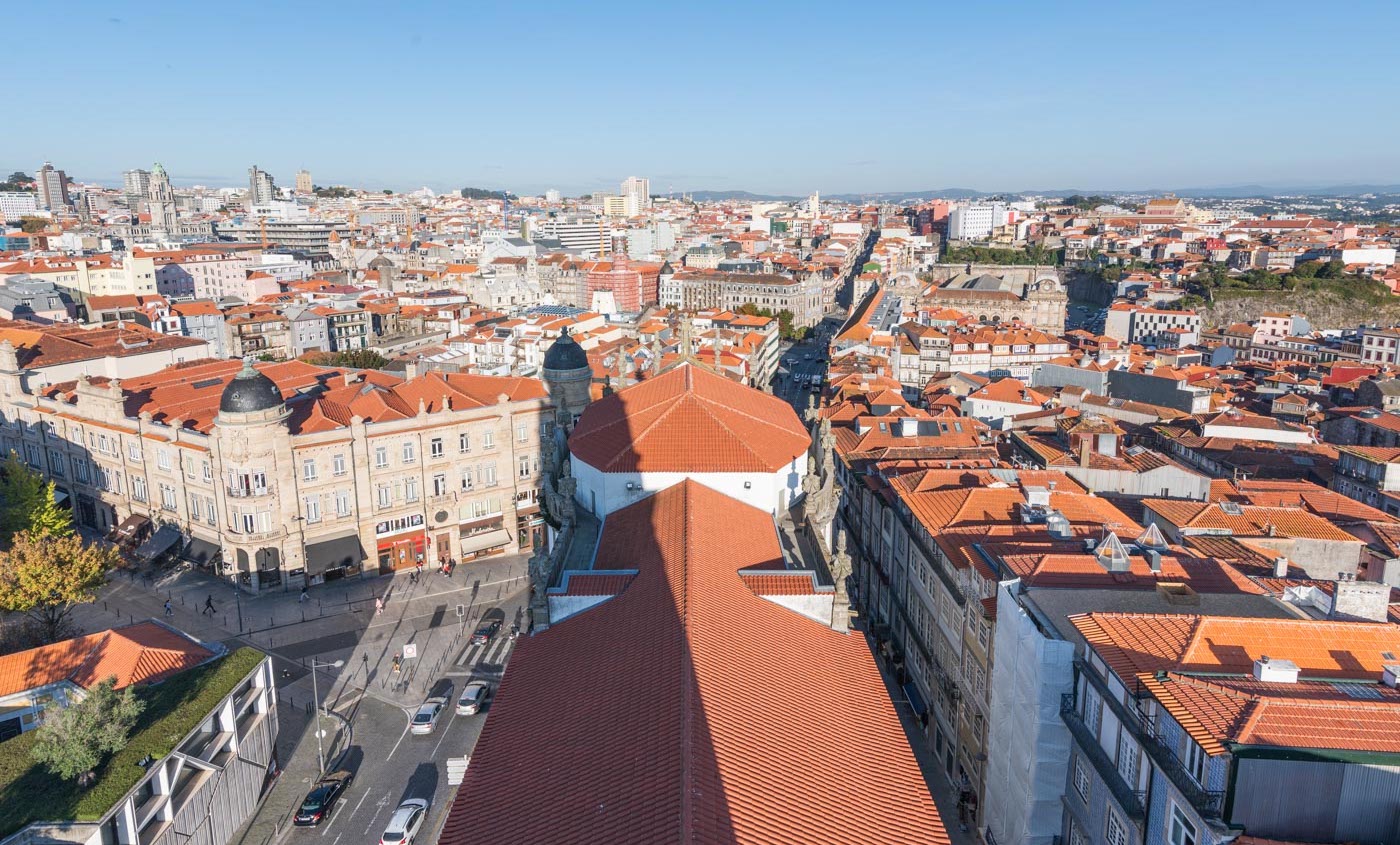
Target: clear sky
[(768, 97)]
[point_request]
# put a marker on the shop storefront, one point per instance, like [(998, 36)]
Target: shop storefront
[(482, 538), (335, 557), (401, 543)]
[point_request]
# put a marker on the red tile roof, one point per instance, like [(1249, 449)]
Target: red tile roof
[(142, 653), (689, 419), (688, 709)]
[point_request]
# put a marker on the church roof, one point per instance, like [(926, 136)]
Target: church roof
[(689, 419), (689, 709)]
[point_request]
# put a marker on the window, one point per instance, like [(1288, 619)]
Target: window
[(409, 453), (338, 465), (206, 472), (308, 470), (1128, 759), (464, 442), (410, 489), (435, 447), (1092, 711), (381, 456), (342, 503), (1196, 762), (488, 440), (1116, 833), (440, 485), (163, 459), (167, 497), (467, 478), (209, 515), (313, 509), (56, 462), (138, 488), (522, 433), (525, 466), (488, 475), (384, 496), (1180, 830), (133, 451), (259, 482), (249, 523)]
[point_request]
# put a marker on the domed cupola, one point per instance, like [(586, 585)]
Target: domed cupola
[(249, 392), (565, 354)]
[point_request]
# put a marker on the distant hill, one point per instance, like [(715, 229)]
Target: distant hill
[(1220, 192)]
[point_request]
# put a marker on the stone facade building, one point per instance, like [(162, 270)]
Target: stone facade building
[(290, 473)]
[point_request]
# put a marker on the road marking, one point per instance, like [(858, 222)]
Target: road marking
[(358, 803), (446, 729), (407, 721)]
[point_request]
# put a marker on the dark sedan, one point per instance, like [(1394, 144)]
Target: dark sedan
[(321, 800), (485, 633)]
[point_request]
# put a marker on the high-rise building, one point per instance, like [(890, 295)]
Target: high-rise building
[(135, 185), (261, 189), (304, 185), (161, 200), (636, 196), (52, 187), (552, 195)]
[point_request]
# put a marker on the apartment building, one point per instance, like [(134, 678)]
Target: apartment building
[(694, 289), (291, 473)]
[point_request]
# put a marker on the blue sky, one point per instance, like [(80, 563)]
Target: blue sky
[(766, 97)]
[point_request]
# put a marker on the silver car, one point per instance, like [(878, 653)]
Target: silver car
[(426, 719), (474, 697), (405, 822)]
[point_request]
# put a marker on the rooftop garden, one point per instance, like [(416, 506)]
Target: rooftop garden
[(30, 793)]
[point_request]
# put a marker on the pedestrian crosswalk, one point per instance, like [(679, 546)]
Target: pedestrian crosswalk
[(487, 658)]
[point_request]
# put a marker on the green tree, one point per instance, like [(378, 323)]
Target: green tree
[(388, 190), (74, 741), (363, 359), (46, 577), (30, 225), (19, 176), (27, 503), (1333, 269)]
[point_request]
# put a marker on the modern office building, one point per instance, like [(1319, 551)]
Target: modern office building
[(261, 189), (52, 188), (304, 184), (136, 184)]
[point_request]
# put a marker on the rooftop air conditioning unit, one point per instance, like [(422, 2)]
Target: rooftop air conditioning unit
[(1275, 671)]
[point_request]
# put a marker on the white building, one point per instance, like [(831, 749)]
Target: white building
[(745, 444), (977, 220), (636, 196), (17, 204)]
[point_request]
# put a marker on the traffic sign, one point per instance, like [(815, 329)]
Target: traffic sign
[(410, 650)]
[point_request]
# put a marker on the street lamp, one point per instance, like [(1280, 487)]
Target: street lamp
[(316, 699)]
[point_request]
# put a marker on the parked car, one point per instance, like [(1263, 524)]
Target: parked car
[(405, 822), (474, 697), (322, 798), (426, 719), (484, 634)]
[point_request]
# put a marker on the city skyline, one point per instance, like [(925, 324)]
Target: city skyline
[(763, 102)]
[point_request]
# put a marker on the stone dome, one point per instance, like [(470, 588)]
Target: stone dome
[(566, 354), (249, 391)]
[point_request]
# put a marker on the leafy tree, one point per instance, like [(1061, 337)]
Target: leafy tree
[(482, 194), (388, 190), (1333, 269), (73, 741), (30, 225), (20, 176), (45, 577), (27, 503), (360, 359)]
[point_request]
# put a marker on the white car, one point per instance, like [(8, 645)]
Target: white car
[(405, 822), (425, 720), (474, 697)]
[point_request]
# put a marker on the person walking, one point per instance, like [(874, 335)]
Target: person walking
[(303, 597), (208, 605), (378, 605), (169, 611)]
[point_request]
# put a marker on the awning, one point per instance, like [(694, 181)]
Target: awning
[(59, 495), (160, 543), (488, 540), (131, 525), (334, 553), (916, 701), (200, 552)]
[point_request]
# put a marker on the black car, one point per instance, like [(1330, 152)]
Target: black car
[(484, 634), (320, 801)]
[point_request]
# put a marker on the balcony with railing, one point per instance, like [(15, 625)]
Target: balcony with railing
[(1133, 802), (1209, 803)]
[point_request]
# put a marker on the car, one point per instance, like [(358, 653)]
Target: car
[(426, 719), (405, 822), (474, 697), (322, 798), (483, 635), (806, 356)]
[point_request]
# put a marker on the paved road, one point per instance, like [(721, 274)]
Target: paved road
[(793, 387)]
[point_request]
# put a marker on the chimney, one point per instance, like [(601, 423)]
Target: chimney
[(1275, 671), (1360, 601), (1280, 567), (1154, 559), (410, 371)]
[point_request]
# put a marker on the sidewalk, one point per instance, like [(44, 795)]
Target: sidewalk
[(296, 749)]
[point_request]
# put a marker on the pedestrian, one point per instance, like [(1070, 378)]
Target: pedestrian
[(169, 611), (208, 605), (303, 597), (396, 661), (378, 605), (418, 569)]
